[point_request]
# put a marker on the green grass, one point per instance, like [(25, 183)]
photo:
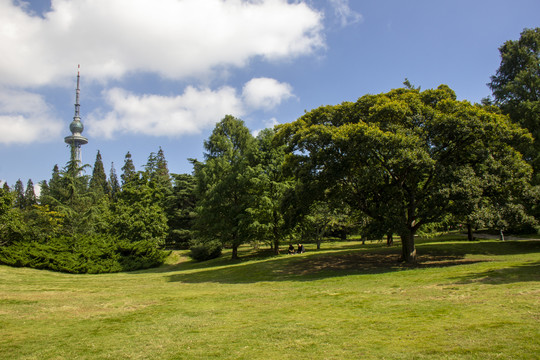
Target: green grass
[(464, 300)]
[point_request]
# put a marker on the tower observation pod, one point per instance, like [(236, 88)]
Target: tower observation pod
[(75, 140)]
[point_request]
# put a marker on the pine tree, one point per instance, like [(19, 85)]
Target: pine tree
[(30, 194), (159, 179), (98, 182), (44, 191), (55, 188), (114, 185), (180, 210), (19, 194), (128, 170), (162, 176)]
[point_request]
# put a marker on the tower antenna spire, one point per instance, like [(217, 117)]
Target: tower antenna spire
[(75, 140), (77, 93)]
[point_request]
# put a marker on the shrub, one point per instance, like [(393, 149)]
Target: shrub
[(202, 251), (91, 254)]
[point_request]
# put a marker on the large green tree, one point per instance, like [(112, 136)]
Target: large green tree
[(516, 88), (222, 184), (269, 186), (399, 157)]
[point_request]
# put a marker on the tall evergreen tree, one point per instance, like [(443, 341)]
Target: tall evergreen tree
[(222, 185), (44, 191), (30, 194), (269, 186), (162, 177), (19, 194), (128, 170), (98, 181), (114, 185), (56, 189), (180, 210), (158, 177)]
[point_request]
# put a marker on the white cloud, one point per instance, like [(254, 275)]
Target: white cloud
[(193, 111), (175, 39), (265, 93), (157, 115), (344, 13), (25, 117)]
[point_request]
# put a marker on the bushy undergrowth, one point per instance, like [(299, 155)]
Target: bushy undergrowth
[(202, 251), (83, 254)]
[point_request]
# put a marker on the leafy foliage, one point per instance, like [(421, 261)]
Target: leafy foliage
[(222, 185), (180, 210), (399, 157), (205, 250), (516, 88)]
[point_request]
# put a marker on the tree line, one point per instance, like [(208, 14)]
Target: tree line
[(400, 162)]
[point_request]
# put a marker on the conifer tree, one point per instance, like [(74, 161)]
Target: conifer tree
[(162, 176), (180, 210), (19, 194), (114, 185), (54, 189), (223, 188), (98, 182), (44, 191), (159, 179), (30, 194), (128, 170)]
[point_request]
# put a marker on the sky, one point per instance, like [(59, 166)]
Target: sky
[(162, 73)]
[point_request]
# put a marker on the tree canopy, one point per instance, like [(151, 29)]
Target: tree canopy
[(516, 88), (399, 157)]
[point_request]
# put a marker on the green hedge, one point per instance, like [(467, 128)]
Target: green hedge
[(83, 254)]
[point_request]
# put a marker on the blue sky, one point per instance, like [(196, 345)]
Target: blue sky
[(161, 73)]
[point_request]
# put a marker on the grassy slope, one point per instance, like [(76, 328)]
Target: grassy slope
[(464, 301)]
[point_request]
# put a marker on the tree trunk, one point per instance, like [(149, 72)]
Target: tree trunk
[(276, 246), (501, 235), (470, 236), (235, 252), (389, 239), (408, 251)]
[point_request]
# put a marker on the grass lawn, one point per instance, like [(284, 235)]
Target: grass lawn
[(464, 300)]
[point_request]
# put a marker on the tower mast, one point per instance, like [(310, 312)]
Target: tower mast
[(75, 140)]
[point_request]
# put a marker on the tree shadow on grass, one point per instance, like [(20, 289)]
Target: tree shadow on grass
[(249, 254), (262, 265), (512, 274), (315, 266)]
